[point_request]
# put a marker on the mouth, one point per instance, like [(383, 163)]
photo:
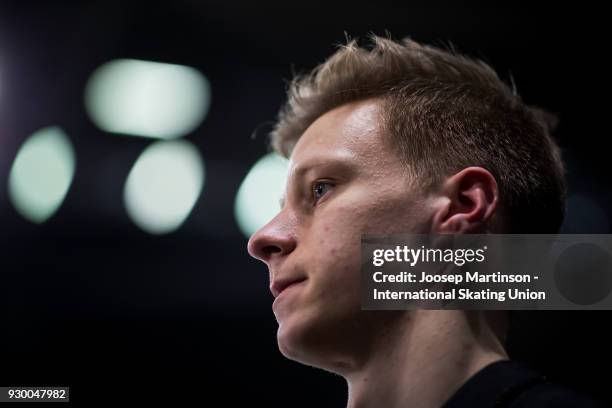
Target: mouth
[(279, 286)]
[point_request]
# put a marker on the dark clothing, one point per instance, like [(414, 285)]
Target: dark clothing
[(512, 384)]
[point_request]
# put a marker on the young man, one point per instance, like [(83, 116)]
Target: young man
[(404, 138)]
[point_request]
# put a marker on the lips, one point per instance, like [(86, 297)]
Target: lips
[(278, 286)]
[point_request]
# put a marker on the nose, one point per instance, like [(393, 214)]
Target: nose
[(274, 240)]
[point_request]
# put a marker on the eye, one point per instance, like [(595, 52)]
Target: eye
[(319, 189)]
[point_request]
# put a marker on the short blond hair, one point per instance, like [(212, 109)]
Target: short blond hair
[(442, 112)]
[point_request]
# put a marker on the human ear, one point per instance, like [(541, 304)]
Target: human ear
[(470, 198)]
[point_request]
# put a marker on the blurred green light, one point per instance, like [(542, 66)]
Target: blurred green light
[(257, 200), (41, 174), (164, 185), (144, 98)]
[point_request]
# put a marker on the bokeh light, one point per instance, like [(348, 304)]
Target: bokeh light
[(257, 200), (41, 174), (164, 185), (144, 98)]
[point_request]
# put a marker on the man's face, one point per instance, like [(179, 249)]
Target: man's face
[(344, 180)]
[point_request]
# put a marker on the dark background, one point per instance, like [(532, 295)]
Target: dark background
[(91, 301)]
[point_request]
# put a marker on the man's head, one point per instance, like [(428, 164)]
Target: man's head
[(442, 112), (398, 138)]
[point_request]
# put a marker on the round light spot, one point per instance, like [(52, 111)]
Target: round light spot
[(164, 185), (257, 200), (144, 98), (42, 174)]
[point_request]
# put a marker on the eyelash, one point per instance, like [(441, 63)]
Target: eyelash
[(314, 187)]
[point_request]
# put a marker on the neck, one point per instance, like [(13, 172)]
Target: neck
[(422, 360)]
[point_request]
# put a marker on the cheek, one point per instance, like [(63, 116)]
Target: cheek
[(337, 240), (393, 213), (344, 225), (336, 258), (334, 237)]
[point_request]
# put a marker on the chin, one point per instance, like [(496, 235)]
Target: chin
[(313, 342), (291, 340)]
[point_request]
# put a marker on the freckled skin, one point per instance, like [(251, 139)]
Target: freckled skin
[(322, 323)]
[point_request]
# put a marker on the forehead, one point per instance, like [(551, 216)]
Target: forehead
[(349, 132)]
